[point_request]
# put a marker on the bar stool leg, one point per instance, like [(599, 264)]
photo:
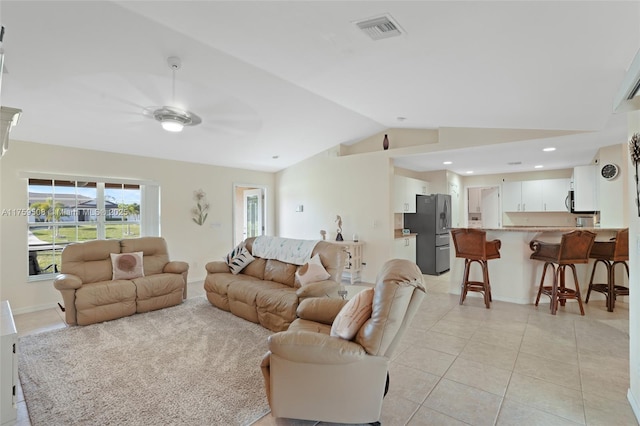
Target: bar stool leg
[(593, 273), (544, 272), (558, 273), (465, 280), (575, 280), (485, 284)]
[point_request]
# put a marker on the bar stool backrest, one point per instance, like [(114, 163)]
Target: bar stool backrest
[(575, 247), (472, 244), (621, 251)]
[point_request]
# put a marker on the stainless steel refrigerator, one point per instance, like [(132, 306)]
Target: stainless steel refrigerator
[(432, 222)]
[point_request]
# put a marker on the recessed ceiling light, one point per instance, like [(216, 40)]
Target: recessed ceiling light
[(447, 162), (469, 172), (549, 149), (539, 166)]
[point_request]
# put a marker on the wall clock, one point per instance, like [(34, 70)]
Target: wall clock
[(609, 171)]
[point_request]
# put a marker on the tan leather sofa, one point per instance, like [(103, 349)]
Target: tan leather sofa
[(267, 291), (310, 375), (91, 296)]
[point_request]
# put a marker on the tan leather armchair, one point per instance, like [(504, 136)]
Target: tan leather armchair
[(311, 375)]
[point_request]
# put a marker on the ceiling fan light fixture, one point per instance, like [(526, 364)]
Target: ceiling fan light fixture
[(170, 124), (172, 119)]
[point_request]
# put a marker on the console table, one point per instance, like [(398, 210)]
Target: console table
[(353, 265), (9, 365)]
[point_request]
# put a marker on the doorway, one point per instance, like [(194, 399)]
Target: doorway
[(483, 207), (249, 216)]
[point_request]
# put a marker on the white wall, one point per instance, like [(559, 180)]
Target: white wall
[(356, 187), (186, 240), (634, 277), (614, 205)]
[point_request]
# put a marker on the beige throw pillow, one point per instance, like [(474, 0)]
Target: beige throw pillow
[(353, 315), (312, 271), (127, 266)]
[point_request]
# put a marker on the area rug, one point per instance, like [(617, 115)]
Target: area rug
[(191, 364)]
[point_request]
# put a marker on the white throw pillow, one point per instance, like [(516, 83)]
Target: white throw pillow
[(353, 315), (127, 266), (241, 260), (312, 271)]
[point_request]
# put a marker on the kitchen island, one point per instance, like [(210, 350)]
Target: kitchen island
[(515, 277)]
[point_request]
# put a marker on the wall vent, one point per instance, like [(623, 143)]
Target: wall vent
[(380, 27)]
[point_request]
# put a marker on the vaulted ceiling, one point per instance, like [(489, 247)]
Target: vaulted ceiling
[(277, 82)]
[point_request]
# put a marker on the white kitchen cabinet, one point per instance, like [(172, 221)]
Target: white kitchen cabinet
[(585, 187), (9, 368), (554, 194), (532, 196), (405, 191), (544, 195), (405, 248), (511, 196)]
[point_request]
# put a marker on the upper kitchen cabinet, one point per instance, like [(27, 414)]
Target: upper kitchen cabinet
[(522, 196), (547, 195), (405, 191), (585, 187), (554, 194)]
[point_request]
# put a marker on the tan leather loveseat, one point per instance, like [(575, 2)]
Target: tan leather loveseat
[(311, 375), (90, 294), (267, 291)]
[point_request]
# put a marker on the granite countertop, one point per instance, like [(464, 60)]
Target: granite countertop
[(397, 233), (549, 229)]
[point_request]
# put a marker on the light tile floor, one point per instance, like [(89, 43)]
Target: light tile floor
[(467, 365)]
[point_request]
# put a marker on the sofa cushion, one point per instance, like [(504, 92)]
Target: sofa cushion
[(240, 261), (90, 260), (127, 266), (256, 268), (280, 272), (312, 271), (353, 315), (156, 254), (276, 307), (105, 300), (158, 291)]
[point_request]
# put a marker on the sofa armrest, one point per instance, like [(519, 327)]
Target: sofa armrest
[(176, 267), (314, 348), (325, 288), (67, 282), (217, 267), (320, 309)]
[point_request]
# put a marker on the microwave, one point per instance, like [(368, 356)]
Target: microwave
[(569, 203)]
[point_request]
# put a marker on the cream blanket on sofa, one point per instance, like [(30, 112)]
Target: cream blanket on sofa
[(285, 250)]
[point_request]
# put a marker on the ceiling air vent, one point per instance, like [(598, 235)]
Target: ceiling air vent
[(380, 27)]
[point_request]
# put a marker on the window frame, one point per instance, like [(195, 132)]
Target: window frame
[(148, 218)]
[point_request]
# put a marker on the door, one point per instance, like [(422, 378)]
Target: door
[(252, 213), (249, 212), (490, 201)]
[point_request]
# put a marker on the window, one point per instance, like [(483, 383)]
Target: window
[(66, 211)]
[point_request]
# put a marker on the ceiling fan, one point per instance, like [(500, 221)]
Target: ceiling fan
[(171, 118)]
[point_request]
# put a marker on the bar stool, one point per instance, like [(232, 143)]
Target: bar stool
[(573, 248), (610, 253), (472, 245)]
